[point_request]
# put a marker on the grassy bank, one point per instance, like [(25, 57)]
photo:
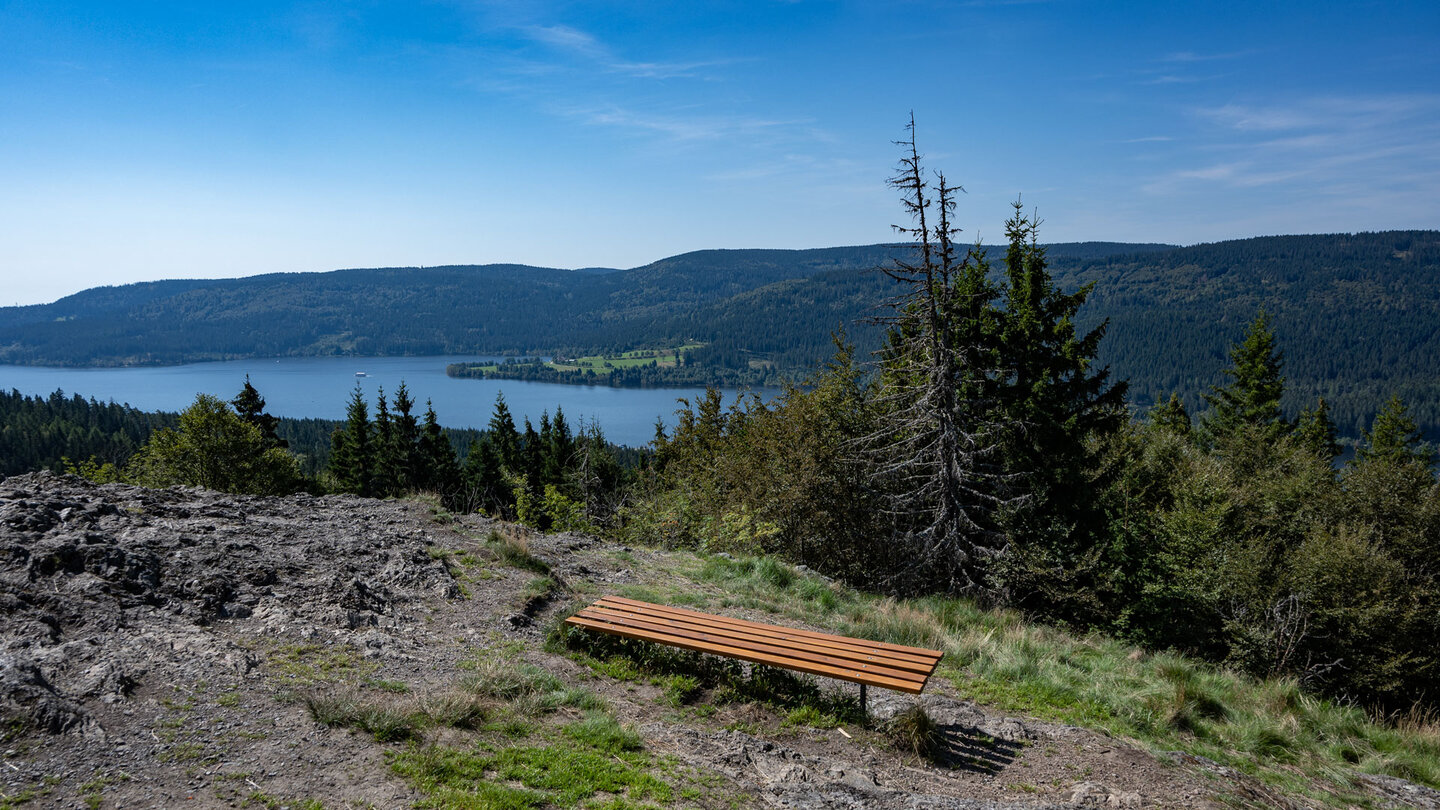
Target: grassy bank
[(1164, 702)]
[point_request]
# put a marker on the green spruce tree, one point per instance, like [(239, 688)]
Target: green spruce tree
[(1394, 438), (1172, 416), (250, 406), (1060, 407), (407, 451), (1315, 431), (505, 436), (1252, 398), (352, 461), (438, 469), (387, 454)]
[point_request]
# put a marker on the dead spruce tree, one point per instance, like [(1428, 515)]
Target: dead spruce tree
[(935, 454)]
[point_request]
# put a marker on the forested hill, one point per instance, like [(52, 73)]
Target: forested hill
[(1358, 316), (495, 308)]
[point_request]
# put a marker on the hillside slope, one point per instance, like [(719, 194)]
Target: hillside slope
[(188, 647), (1356, 314)]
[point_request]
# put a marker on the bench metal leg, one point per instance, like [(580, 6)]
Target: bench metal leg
[(863, 711)]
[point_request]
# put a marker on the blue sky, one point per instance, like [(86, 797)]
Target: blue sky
[(163, 140)]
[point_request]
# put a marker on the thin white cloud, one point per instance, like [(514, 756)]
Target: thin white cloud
[(566, 38), (1191, 56), (1332, 112), (1170, 78), (678, 125), (587, 47), (1313, 146)]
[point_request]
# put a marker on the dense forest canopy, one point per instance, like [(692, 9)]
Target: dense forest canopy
[(1354, 314)]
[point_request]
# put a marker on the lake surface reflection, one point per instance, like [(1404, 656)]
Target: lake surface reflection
[(319, 387)]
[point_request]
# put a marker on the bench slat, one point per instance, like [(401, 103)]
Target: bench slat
[(778, 636), (851, 675), (884, 648), (894, 666), (755, 646)]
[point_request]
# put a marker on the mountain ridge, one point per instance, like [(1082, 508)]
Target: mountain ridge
[(1355, 313)]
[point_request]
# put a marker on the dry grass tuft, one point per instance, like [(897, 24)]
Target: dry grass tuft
[(916, 732)]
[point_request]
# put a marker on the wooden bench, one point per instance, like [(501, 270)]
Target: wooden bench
[(868, 663)]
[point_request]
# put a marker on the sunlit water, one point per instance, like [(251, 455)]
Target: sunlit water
[(319, 387)]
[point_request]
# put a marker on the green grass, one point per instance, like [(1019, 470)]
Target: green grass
[(681, 689), (1268, 728), (385, 720), (592, 757), (510, 548), (311, 664), (603, 364), (537, 588)]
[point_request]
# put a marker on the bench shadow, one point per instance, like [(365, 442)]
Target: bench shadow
[(965, 748)]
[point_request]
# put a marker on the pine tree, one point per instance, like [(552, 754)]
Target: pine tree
[(1253, 396), (1316, 432), (351, 451), (407, 450), (504, 435), (386, 470), (485, 481), (1059, 410), (559, 449), (250, 406), (1172, 416), (439, 470), (532, 459), (1057, 402), (1394, 438), (596, 474)]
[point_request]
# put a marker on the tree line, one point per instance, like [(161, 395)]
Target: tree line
[(989, 453), (554, 478)]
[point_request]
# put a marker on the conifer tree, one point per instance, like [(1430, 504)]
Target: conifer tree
[(1059, 409), (406, 435), (485, 481), (1253, 396), (1172, 416), (1315, 431), (505, 436), (532, 459), (935, 454), (250, 406), (351, 451), (1394, 438), (384, 451), (1055, 398), (596, 474), (438, 469), (212, 447), (559, 449)]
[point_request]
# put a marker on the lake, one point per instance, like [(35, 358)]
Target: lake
[(319, 387)]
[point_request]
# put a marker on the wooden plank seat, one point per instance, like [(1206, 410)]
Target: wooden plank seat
[(868, 663)]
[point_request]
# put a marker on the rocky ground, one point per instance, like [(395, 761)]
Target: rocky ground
[(157, 647)]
